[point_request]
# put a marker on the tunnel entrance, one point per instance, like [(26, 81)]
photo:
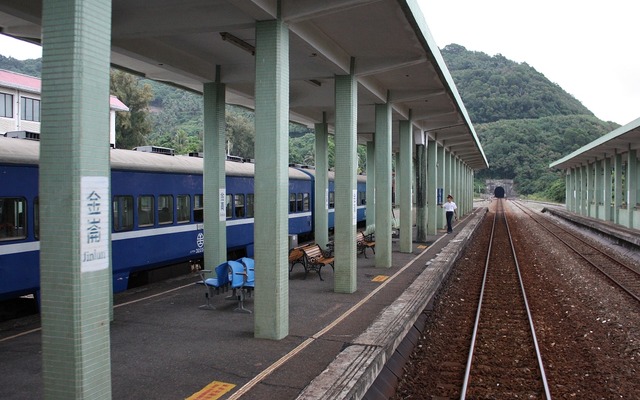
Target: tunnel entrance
[(499, 192)]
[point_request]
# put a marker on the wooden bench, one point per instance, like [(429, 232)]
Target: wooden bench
[(296, 256), (363, 244), (315, 259)]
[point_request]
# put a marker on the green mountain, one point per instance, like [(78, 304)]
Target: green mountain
[(523, 120)]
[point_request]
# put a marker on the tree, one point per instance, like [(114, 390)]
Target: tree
[(240, 132), (132, 127)]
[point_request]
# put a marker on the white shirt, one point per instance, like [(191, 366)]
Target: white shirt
[(449, 206)]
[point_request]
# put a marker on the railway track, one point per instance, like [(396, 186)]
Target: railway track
[(620, 274), (503, 342)]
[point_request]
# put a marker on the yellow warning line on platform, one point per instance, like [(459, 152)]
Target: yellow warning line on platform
[(380, 278), (212, 391)]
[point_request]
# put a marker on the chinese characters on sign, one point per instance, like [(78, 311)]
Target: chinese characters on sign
[(222, 211), (94, 220)]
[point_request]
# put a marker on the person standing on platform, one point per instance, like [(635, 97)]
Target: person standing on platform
[(450, 208)]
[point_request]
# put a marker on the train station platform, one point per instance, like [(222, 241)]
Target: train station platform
[(625, 236), (163, 346)]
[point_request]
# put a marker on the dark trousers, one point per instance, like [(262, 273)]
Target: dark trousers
[(449, 219)]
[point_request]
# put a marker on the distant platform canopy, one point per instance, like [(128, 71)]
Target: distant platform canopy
[(619, 141), (603, 178)]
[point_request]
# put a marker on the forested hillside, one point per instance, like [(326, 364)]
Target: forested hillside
[(523, 120)]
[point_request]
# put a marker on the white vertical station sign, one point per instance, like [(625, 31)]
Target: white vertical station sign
[(354, 204), (326, 199), (94, 223), (222, 212)]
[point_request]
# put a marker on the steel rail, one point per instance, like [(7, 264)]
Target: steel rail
[(467, 371), (605, 273)]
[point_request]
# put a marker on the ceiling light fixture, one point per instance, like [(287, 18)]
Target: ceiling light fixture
[(236, 41)]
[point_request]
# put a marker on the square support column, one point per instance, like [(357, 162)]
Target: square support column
[(271, 227), (632, 182), (441, 172), (371, 188), (618, 195), (321, 200), (599, 190), (75, 200), (568, 189), (346, 195), (434, 174), (607, 190), (404, 191), (214, 178), (421, 193), (383, 185)]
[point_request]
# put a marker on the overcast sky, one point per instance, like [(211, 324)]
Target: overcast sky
[(588, 47)]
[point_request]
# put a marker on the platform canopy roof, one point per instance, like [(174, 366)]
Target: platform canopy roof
[(619, 141), (395, 57)]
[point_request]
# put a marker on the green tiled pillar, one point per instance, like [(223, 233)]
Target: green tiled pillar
[(441, 172), (321, 200), (383, 185), (371, 179), (569, 185), (584, 189), (345, 279), (450, 182), (404, 191), (434, 167), (75, 253), (599, 189), (215, 225), (607, 189), (590, 189), (574, 190), (422, 190), (271, 318), (618, 195), (456, 179), (632, 185)]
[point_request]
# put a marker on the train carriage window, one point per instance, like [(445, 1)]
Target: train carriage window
[(299, 207), (362, 198), (292, 202), (165, 209), (228, 203), (332, 200), (305, 202), (184, 208), (13, 215), (146, 211), (250, 201), (238, 202), (122, 213), (198, 208)]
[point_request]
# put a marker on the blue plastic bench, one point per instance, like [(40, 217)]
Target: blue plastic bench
[(247, 273), (219, 284)]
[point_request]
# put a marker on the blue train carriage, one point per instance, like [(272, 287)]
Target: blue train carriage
[(361, 201), (19, 245), (157, 213), (157, 204), (240, 207)]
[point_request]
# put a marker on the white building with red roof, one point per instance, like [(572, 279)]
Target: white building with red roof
[(20, 105)]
